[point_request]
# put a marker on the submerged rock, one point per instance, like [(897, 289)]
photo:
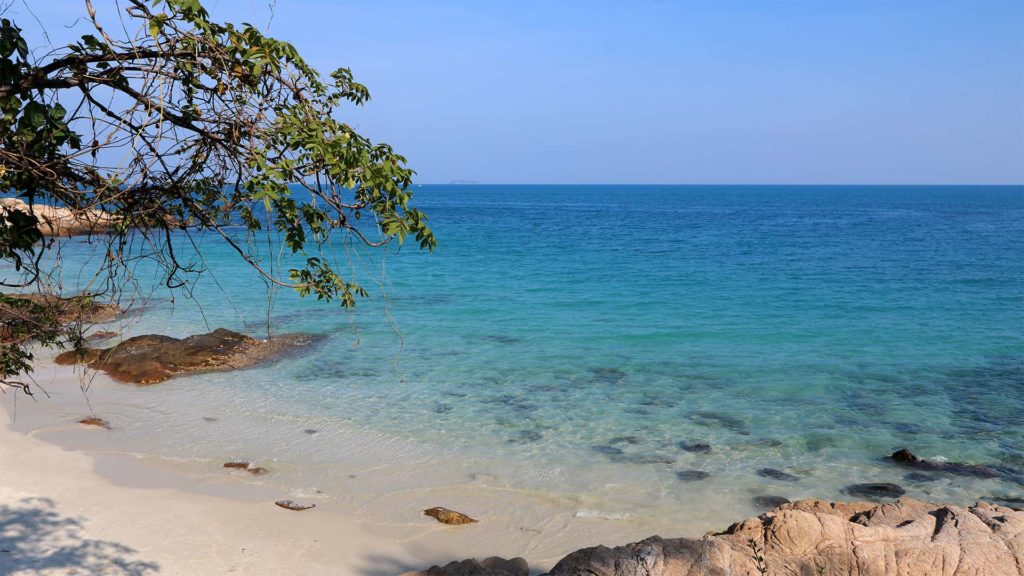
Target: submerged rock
[(1012, 502), (633, 440), (777, 475), (290, 505), (907, 458), (904, 538), (692, 475), (876, 490), (695, 447), (709, 418), (153, 358), (493, 566), (626, 458), (606, 375), (446, 516), (769, 502)]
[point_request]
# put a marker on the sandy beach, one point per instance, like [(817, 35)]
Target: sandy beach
[(59, 516), (71, 504)]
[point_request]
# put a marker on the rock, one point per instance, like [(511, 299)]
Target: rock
[(57, 221), (907, 458), (643, 459), (633, 440), (21, 312), (777, 475), (94, 421), (769, 502), (289, 505), (100, 336), (153, 358), (810, 537), (493, 566), (695, 447), (246, 466), (446, 516), (1012, 502), (309, 431), (875, 491), (919, 477), (692, 475)]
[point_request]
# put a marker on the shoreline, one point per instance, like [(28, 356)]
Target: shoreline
[(75, 495), (62, 516), (122, 509)]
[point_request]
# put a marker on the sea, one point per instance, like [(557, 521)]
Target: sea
[(612, 353)]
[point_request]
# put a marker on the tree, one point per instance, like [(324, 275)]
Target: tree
[(211, 125)]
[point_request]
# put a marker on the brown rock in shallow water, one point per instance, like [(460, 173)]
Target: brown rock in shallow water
[(289, 505), (248, 467), (903, 538), (94, 421), (101, 336), (154, 358), (446, 516)]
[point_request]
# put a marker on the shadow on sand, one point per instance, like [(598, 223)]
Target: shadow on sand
[(34, 538), (381, 565)]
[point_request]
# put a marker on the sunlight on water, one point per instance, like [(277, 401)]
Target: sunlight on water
[(626, 352)]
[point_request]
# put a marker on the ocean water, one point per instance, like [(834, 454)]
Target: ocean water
[(563, 341)]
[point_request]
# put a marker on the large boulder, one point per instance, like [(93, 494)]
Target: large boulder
[(811, 537), (153, 358), (58, 221)]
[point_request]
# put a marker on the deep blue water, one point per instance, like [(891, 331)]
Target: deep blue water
[(573, 328)]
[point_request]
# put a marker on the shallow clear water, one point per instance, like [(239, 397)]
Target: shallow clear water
[(565, 340)]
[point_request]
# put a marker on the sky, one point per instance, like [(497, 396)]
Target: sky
[(684, 92)]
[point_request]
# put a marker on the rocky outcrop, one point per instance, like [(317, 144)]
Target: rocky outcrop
[(56, 221), (20, 308), (810, 537), (151, 358)]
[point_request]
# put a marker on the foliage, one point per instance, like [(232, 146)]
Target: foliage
[(210, 123)]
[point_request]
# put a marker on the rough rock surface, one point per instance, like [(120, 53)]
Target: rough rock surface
[(55, 221), (152, 358), (27, 308), (492, 566), (446, 516), (810, 537)]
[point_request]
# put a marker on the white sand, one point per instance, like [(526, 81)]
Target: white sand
[(100, 512), (58, 516)]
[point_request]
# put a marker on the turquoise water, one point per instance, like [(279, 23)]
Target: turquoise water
[(579, 334)]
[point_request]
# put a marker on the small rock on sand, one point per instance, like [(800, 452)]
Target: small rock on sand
[(446, 516), (290, 505), (96, 422)]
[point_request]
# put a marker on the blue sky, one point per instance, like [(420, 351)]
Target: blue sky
[(768, 91)]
